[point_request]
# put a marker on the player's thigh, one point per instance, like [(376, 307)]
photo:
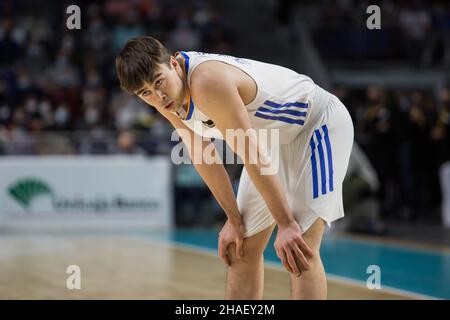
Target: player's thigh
[(252, 207), (313, 236), (253, 246), (318, 159)]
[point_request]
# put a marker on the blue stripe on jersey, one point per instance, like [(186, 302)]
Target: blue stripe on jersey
[(190, 108), (286, 111), (330, 156), (279, 118), (191, 105), (186, 62), (323, 177), (289, 104), (314, 168)]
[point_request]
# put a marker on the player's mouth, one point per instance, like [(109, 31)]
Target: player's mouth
[(168, 105)]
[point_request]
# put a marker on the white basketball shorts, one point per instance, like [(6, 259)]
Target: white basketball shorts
[(312, 168)]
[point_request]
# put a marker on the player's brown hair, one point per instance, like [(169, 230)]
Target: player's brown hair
[(136, 62)]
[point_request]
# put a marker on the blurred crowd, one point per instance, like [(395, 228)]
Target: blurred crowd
[(59, 92), (417, 31), (58, 87), (406, 136)]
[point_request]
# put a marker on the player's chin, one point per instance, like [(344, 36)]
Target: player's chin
[(169, 107), (175, 106)]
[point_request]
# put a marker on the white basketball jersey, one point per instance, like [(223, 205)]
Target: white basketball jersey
[(285, 99)]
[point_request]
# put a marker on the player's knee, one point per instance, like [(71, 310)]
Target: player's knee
[(314, 265), (250, 257)]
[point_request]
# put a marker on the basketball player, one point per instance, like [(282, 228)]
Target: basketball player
[(315, 139)]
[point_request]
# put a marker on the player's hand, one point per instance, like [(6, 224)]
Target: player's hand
[(231, 233), (292, 249)]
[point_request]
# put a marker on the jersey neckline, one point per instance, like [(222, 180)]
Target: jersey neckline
[(191, 106)]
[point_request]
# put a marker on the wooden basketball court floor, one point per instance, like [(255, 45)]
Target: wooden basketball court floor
[(136, 266)]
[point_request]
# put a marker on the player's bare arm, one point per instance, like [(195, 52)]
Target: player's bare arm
[(218, 181), (216, 94), (168, 92)]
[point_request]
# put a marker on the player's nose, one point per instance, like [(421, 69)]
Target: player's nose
[(161, 95)]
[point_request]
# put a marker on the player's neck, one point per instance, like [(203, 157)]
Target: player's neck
[(186, 91)]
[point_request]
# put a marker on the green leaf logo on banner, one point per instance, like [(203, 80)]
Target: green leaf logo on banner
[(25, 190)]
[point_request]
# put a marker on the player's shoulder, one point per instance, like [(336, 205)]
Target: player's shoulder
[(210, 70), (209, 75)]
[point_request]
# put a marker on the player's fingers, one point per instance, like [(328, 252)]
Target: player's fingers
[(284, 261), (240, 248), (299, 254), (227, 260), (304, 247), (223, 252), (292, 263)]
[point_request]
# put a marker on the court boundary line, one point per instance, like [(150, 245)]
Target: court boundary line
[(276, 267), (400, 243), (361, 284)]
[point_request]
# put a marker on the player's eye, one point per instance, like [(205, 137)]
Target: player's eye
[(145, 93), (158, 82)]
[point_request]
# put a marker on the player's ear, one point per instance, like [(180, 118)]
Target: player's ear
[(173, 62)]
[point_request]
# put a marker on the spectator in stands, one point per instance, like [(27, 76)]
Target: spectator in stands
[(441, 135), (380, 146), (415, 23), (59, 95)]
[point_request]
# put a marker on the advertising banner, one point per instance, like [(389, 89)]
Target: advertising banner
[(103, 191)]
